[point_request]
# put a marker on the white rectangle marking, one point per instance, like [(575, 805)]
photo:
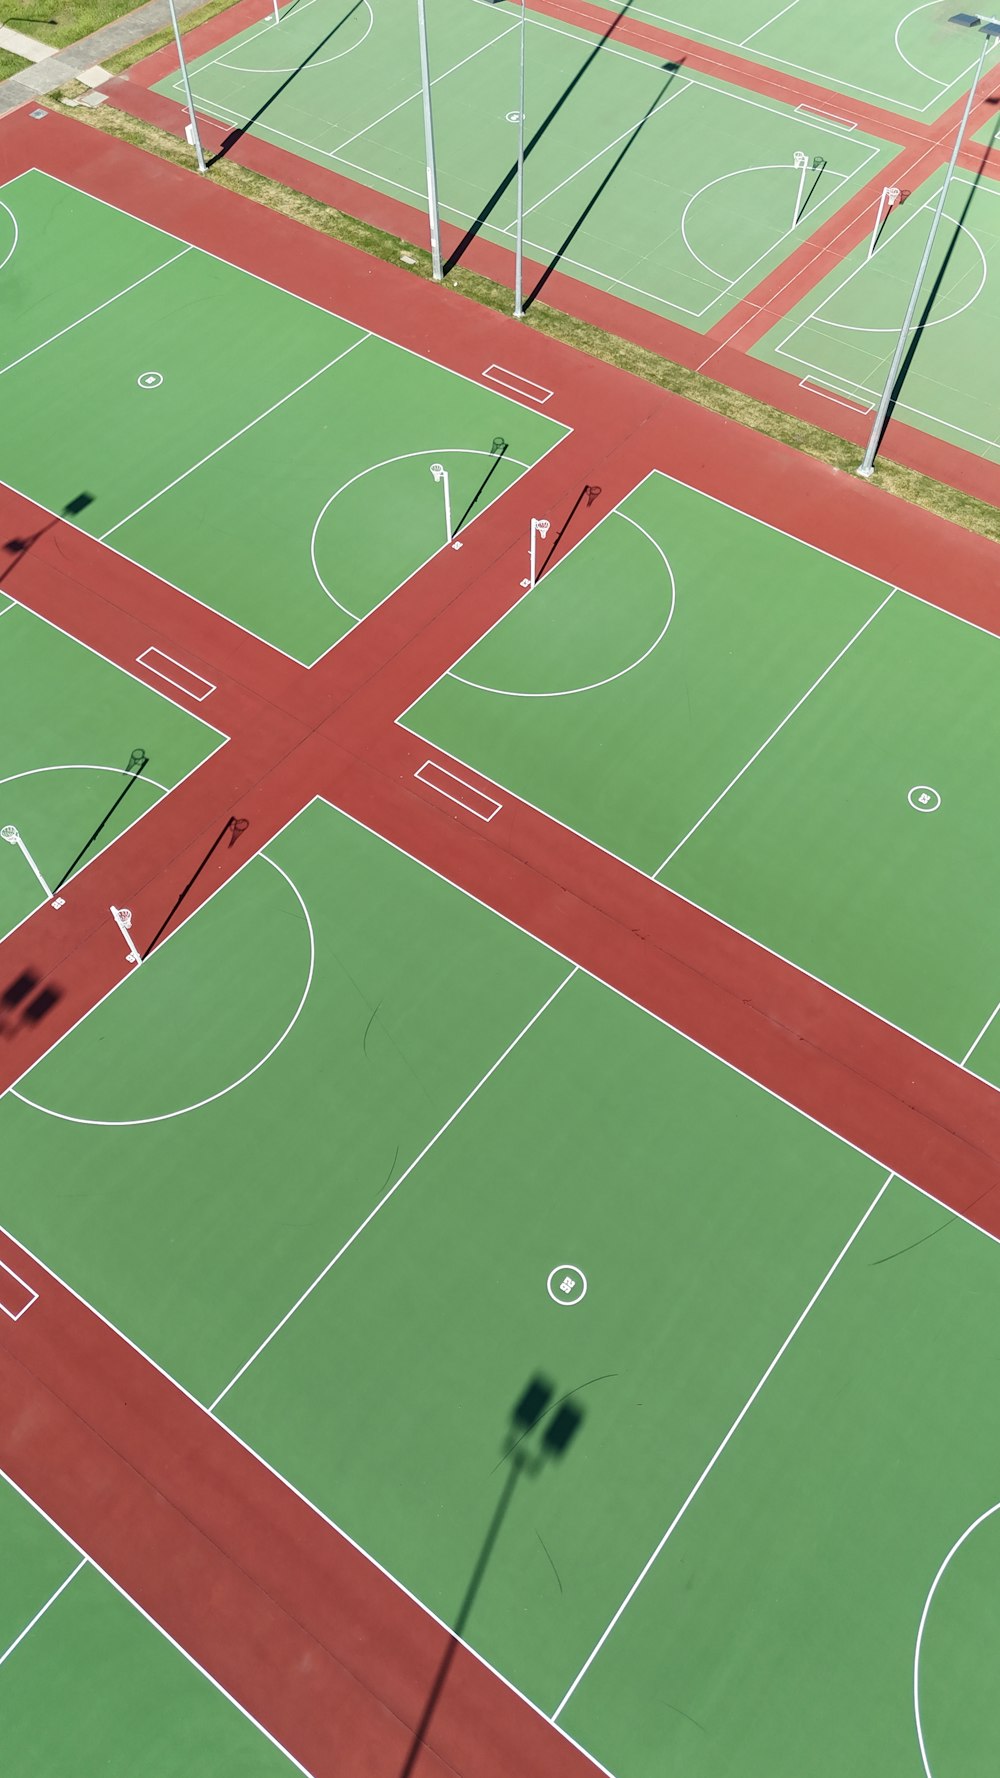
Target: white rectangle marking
[(812, 387), (149, 659), (843, 123), (15, 1295), (430, 770), (518, 385)]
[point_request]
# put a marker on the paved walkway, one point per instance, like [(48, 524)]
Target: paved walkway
[(51, 68)]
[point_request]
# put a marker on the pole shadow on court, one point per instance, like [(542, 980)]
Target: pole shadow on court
[(541, 1430), (672, 69), (939, 276), (138, 761), (19, 547), (234, 828), (476, 226), (237, 135), (589, 492)]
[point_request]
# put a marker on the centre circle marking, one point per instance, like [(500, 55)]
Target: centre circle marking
[(150, 379), (566, 1285), (924, 798), (181, 1110)]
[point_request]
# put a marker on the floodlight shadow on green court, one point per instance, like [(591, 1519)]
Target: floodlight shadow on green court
[(990, 29)]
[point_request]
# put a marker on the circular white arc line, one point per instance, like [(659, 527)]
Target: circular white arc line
[(966, 1534), (737, 173), (13, 244), (323, 62), (933, 320), (404, 456), (943, 85), (161, 1117), (573, 691)]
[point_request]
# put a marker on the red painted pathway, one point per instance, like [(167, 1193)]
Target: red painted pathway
[(330, 1656)]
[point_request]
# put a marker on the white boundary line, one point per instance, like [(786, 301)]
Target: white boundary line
[(393, 1189), (575, 969), (776, 731), (88, 1561), (938, 1578), (818, 75), (782, 347), (40, 1613), (14, 362), (483, 771), (564, 430), (234, 436), (32, 1296), (547, 248), (713, 1460), (162, 1117)]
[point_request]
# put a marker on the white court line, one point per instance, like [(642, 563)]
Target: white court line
[(438, 78), (676, 90), (143, 1613), (320, 1514), (776, 731), (9, 607), (820, 75), (232, 440), (393, 1189), (956, 1546), (483, 769), (61, 1588), (713, 1460), (96, 311), (768, 23)]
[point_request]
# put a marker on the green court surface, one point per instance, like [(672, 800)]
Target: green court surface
[(70, 723), (841, 337), (543, 1356), (761, 736), (902, 57), (87, 1684), (669, 189), (249, 445)]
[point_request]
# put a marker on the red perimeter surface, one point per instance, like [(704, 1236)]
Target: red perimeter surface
[(319, 1646), (722, 353)]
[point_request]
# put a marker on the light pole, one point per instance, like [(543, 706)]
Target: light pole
[(433, 212), (991, 30), (193, 136), (519, 245)]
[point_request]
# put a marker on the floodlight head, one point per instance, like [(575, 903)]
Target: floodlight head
[(437, 471), (965, 18), (10, 834), (990, 28)]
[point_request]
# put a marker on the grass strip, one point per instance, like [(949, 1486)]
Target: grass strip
[(137, 52), (839, 453)]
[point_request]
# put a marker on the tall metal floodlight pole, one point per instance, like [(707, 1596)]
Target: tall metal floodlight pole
[(991, 31), (193, 135), (433, 212), (519, 245)]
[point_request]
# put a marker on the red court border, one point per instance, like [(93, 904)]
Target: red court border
[(85, 1419), (723, 351)]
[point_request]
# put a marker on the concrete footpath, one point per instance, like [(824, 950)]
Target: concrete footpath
[(52, 68)]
